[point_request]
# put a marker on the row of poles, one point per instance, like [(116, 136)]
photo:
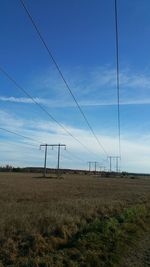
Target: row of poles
[(90, 163), (100, 166), (96, 166)]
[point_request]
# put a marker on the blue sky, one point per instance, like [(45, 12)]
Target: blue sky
[(81, 36)]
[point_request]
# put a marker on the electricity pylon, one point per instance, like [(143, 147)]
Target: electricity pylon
[(58, 157), (110, 162), (95, 165)]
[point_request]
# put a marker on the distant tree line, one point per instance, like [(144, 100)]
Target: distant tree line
[(9, 168)]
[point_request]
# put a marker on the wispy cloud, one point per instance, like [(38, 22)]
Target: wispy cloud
[(7, 119), (97, 88), (94, 84), (104, 76), (16, 151), (83, 103), (94, 88), (113, 103), (24, 100)]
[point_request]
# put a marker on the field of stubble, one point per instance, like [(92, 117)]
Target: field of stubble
[(80, 220)]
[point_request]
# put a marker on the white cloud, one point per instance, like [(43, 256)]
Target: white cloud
[(106, 76), (113, 103), (83, 103), (17, 151), (7, 119), (24, 100), (98, 87)]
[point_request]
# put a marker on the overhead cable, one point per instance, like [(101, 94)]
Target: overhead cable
[(18, 134), (118, 75), (42, 108), (62, 75)]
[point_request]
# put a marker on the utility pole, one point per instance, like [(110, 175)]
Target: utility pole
[(110, 162), (45, 145), (109, 158), (89, 165), (45, 160), (117, 164), (58, 157), (58, 160), (95, 165)]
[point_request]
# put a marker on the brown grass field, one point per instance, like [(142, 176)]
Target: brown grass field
[(46, 221)]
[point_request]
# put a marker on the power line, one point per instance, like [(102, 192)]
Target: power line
[(32, 139), (20, 135), (42, 108), (117, 73), (74, 156), (61, 74)]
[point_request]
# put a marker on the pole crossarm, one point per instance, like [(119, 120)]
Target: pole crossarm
[(52, 145)]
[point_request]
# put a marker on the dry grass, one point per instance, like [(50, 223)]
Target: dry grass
[(26, 199), (43, 207)]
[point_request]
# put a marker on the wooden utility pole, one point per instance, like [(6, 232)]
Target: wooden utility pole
[(58, 157), (45, 159), (109, 158), (89, 165), (58, 160), (95, 165), (110, 162)]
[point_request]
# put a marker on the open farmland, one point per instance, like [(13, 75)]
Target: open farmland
[(72, 221)]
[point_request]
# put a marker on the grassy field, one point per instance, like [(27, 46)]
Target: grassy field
[(80, 220)]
